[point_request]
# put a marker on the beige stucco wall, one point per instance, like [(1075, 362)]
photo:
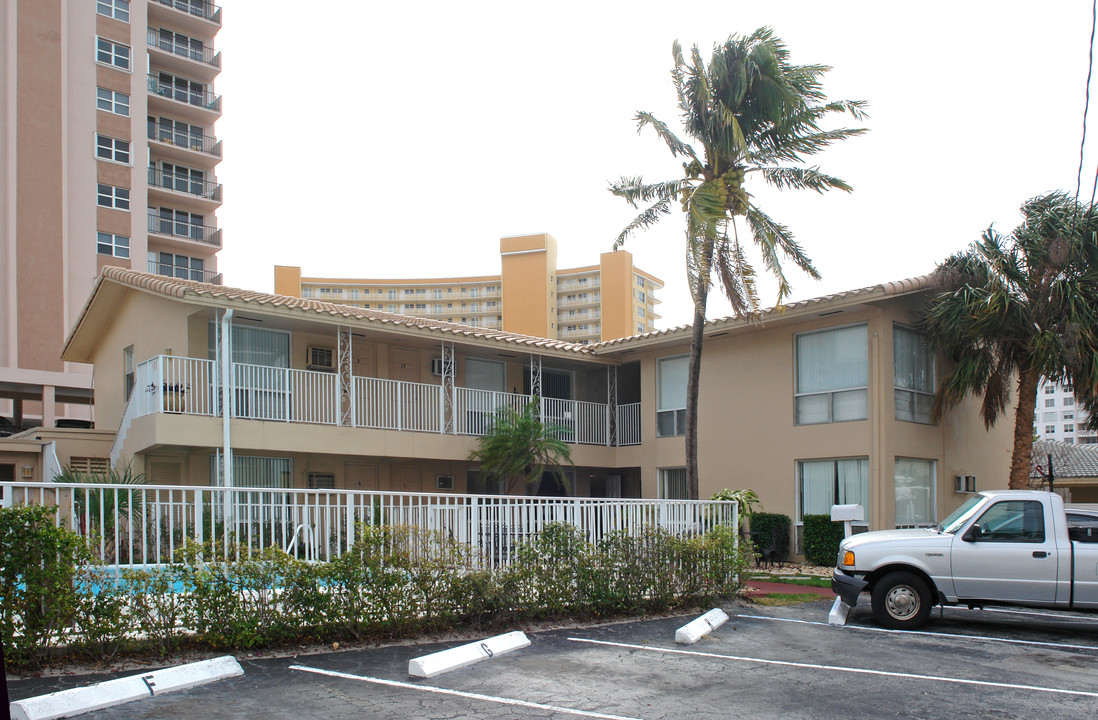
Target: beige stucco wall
[(747, 437)]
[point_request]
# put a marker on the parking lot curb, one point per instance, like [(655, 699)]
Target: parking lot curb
[(109, 693), (454, 658), (689, 633)]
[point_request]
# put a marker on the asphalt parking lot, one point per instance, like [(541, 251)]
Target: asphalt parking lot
[(766, 662)]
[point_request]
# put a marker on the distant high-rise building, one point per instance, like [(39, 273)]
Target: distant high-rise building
[(1058, 417), (610, 300), (78, 166)]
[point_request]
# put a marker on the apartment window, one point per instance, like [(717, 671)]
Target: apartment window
[(408, 306), (392, 294), (640, 281), (109, 196), (177, 132), (421, 306), (113, 149), (1069, 389), (1068, 416), (832, 376), (114, 245), (913, 373), (1069, 428), (181, 45), (823, 483), (181, 179), (1050, 402), (117, 9), (322, 481), (640, 327), (180, 266), (671, 413), (354, 294), (915, 484), (673, 484), (640, 312), (392, 307), (1069, 402), (640, 296), (112, 53), (1050, 389), (181, 89), (1050, 429), (127, 372), (112, 101)]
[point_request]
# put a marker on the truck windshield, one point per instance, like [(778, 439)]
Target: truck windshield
[(958, 517)]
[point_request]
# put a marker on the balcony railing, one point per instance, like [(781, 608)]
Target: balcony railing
[(205, 55), (207, 276), (198, 8), (589, 300), (565, 285), (190, 386), (134, 525), (191, 141), (204, 234), (184, 183), (199, 98)]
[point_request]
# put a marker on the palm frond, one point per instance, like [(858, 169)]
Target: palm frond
[(798, 178), (645, 220), (677, 146)]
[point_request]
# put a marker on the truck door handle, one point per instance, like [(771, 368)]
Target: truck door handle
[(1039, 554)]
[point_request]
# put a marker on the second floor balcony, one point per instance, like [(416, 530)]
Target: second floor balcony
[(192, 386), (180, 53)]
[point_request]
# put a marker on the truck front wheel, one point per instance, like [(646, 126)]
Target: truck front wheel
[(901, 601)]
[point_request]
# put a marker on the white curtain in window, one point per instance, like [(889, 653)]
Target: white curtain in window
[(672, 382), (833, 360), (673, 484), (853, 478), (484, 375), (913, 361), (914, 491), (817, 487)]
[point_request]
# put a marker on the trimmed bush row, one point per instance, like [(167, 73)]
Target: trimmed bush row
[(821, 539), (394, 582)]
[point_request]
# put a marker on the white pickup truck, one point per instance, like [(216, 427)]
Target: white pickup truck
[(1009, 547)]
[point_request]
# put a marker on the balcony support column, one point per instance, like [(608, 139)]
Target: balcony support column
[(224, 359), (612, 405), (345, 391), (448, 392), (535, 384)]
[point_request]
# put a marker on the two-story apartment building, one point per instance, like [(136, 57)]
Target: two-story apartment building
[(824, 401)]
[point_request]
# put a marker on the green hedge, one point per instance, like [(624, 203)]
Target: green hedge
[(763, 524), (821, 539), (393, 582)]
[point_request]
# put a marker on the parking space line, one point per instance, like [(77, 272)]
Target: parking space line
[(839, 668), (1056, 616), (460, 693), (1013, 641)]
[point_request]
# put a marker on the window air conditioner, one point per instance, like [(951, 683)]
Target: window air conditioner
[(964, 483), (444, 482), (320, 358), (436, 366)]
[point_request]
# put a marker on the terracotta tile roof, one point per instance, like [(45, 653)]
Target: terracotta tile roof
[(1068, 460), (894, 288), (179, 288), (220, 294)]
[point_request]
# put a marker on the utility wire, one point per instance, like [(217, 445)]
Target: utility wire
[(1086, 108)]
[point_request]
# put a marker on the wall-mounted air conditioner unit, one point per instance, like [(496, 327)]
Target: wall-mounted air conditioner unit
[(964, 483), (320, 358), (436, 366), (444, 482)]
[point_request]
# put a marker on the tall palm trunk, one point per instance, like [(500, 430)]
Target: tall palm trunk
[(1020, 463), (693, 376)]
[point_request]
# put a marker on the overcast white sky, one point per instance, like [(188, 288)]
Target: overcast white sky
[(369, 139)]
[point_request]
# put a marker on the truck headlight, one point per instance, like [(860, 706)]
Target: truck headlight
[(847, 558)]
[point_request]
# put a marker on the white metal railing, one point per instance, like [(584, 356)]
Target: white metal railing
[(150, 524), (628, 425), (474, 409), (397, 405), (580, 422), (167, 384)]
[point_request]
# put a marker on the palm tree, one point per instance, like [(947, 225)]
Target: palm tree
[(750, 111), (1015, 307), (518, 445)]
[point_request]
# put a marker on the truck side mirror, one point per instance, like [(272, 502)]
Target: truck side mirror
[(973, 534)]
